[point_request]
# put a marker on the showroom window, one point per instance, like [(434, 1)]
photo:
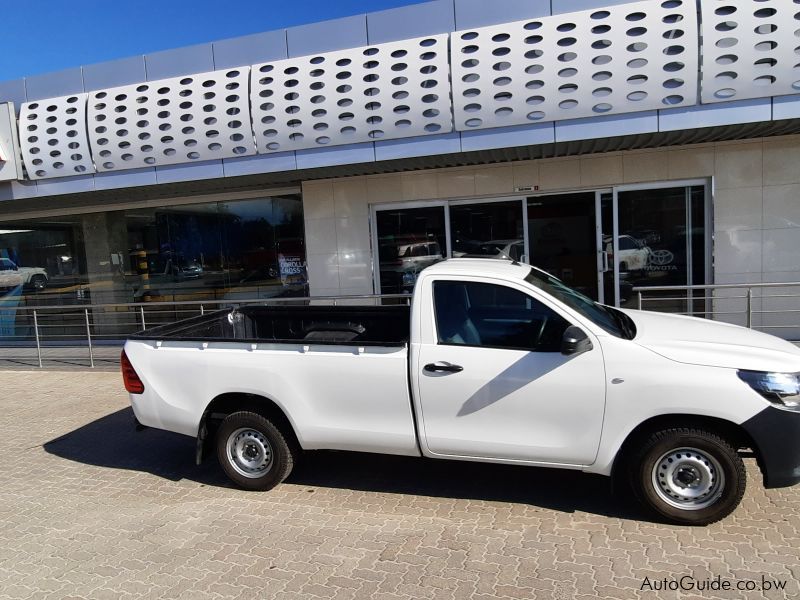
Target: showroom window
[(233, 250), (603, 243)]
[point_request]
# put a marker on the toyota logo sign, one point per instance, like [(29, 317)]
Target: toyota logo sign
[(661, 257)]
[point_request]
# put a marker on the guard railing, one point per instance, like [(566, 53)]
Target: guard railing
[(770, 307), (93, 325)]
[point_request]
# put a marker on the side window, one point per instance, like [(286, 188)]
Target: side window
[(626, 244), (494, 316)]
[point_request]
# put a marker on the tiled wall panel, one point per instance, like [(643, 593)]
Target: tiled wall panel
[(53, 137), (324, 97), (750, 49), (627, 58), (386, 91), (180, 120)]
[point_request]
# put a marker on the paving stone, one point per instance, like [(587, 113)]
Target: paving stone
[(91, 509)]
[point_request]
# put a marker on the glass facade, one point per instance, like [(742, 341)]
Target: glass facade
[(487, 229), (661, 242), (562, 238), (408, 241), (221, 250), (661, 239)]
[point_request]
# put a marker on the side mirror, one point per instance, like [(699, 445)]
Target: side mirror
[(575, 341)]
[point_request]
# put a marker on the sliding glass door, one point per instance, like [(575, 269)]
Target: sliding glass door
[(656, 236), (409, 238), (562, 239), (603, 243)]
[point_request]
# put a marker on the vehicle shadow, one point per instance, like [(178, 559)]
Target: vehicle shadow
[(112, 442)]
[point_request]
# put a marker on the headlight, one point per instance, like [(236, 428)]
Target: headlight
[(782, 389)]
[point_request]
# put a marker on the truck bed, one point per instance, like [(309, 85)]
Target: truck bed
[(333, 325)]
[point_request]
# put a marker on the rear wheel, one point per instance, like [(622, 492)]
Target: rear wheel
[(253, 451), (688, 476)]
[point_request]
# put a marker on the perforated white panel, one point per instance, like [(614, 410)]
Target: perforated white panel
[(384, 91), (179, 120), (53, 137), (750, 49), (626, 58)]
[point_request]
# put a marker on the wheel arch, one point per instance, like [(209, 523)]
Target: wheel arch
[(230, 402), (735, 434)]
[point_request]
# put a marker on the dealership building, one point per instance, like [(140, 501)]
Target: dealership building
[(615, 144)]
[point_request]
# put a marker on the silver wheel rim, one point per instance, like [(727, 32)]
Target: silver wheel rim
[(688, 478), (249, 452)]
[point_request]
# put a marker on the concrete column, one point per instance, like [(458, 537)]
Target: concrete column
[(105, 238)]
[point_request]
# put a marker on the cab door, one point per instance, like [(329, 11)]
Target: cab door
[(492, 383)]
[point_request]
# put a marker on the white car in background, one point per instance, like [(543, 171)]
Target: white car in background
[(9, 276), (34, 277), (633, 255)]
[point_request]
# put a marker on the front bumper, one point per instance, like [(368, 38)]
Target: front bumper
[(776, 433)]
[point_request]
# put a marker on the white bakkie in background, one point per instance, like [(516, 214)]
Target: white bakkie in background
[(35, 277), (494, 361)]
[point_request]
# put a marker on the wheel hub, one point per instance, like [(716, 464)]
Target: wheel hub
[(249, 452), (688, 478)]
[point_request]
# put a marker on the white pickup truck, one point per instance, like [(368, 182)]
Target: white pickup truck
[(494, 361)]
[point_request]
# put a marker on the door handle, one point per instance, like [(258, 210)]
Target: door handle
[(443, 367)]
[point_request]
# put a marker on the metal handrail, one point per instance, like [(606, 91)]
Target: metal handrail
[(277, 300), (86, 319), (748, 312), (79, 317), (711, 286)]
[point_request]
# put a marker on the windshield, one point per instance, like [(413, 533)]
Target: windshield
[(611, 320)]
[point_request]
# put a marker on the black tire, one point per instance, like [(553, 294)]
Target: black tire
[(256, 435), (669, 464), (38, 282), (623, 267)]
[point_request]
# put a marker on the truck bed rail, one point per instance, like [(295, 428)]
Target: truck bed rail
[(332, 325)]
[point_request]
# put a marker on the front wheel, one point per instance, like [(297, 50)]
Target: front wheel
[(39, 282), (253, 452), (688, 476)]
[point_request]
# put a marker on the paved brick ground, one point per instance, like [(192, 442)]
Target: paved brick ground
[(90, 509)]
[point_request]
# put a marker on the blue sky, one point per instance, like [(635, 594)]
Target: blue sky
[(39, 36)]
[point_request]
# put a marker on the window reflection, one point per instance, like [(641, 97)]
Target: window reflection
[(655, 243), (488, 229), (222, 250), (562, 238), (408, 241)]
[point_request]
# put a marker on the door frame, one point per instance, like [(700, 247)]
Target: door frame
[(373, 233), (602, 265), (494, 200), (706, 183), (707, 225), (523, 203)]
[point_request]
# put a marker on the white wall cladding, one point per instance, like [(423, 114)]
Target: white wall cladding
[(626, 58), (384, 91), (750, 49), (53, 137), (177, 120)]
